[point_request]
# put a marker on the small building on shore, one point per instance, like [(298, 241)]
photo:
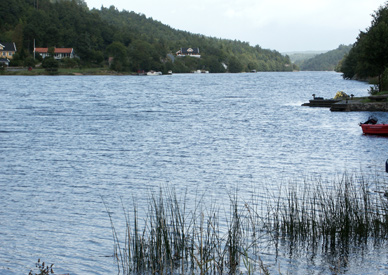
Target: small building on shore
[(7, 51), (192, 52), (59, 53)]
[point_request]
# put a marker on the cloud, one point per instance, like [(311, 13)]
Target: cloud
[(275, 24)]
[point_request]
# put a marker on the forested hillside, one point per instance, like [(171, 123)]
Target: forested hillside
[(299, 57), (134, 41), (369, 55), (326, 61)]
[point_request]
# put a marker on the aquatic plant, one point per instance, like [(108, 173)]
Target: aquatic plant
[(43, 269), (173, 239), (346, 209)]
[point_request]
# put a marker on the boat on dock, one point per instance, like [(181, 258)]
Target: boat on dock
[(320, 102)]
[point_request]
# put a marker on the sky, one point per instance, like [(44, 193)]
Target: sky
[(281, 25)]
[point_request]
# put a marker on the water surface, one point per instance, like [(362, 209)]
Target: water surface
[(69, 142)]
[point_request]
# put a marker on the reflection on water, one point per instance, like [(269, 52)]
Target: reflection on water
[(65, 142)]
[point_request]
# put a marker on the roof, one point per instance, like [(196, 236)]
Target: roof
[(189, 51), (63, 50), (8, 46), (56, 50), (41, 50)]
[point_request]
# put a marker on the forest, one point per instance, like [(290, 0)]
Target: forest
[(132, 41), (329, 61), (368, 56)]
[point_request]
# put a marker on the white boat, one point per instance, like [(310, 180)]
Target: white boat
[(154, 73), (201, 72)]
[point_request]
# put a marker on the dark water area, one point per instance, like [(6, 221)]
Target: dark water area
[(68, 143)]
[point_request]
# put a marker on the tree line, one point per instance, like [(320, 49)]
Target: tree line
[(368, 56), (329, 61), (134, 41)]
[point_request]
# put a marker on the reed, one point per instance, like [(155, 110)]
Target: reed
[(176, 239), (348, 209)]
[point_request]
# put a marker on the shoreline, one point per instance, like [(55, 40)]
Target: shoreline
[(359, 105)]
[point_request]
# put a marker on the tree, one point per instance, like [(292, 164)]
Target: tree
[(2, 68), (369, 55), (120, 57), (50, 64), (214, 65), (143, 56), (70, 23), (17, 36), (375, 50), (235, 65)]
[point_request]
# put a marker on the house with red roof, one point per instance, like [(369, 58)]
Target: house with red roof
[(59, 53)]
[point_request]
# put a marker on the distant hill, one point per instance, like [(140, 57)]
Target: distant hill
[(325, 61), (131, 41), (298, 57)]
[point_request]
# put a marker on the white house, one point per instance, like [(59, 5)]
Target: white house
[(59, 53)]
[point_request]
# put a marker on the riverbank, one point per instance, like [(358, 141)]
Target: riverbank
[(375, 103), (61, 71), (362, 104)]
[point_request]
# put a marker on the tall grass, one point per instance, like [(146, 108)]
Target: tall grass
[(348, 209), (173, 239)]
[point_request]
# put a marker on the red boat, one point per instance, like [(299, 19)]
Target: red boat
[(374, 129), (370, 127)]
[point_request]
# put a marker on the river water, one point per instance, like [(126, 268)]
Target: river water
[(68, 143)]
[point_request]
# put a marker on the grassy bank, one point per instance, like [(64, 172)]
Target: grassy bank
[(61, 71), (205, 240)]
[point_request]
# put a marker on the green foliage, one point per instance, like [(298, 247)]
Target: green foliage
[(118, 52), (213, 64), (69, 63), (322, 216), (384, 80), (325, 61), (29, 62), (43, 269), (18, 58), (144, 56), (369, 54), (299, 57), (373, 90), (133, 40), (235, 66), (50, 65), (2, 68)]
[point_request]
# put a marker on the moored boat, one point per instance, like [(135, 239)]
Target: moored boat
[(320, 102), (154, 73), (374, 129), (370, 127)]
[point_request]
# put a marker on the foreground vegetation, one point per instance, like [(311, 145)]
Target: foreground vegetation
[(173, 239)]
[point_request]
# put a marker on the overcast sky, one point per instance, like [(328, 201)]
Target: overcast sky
[(282, 25)]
